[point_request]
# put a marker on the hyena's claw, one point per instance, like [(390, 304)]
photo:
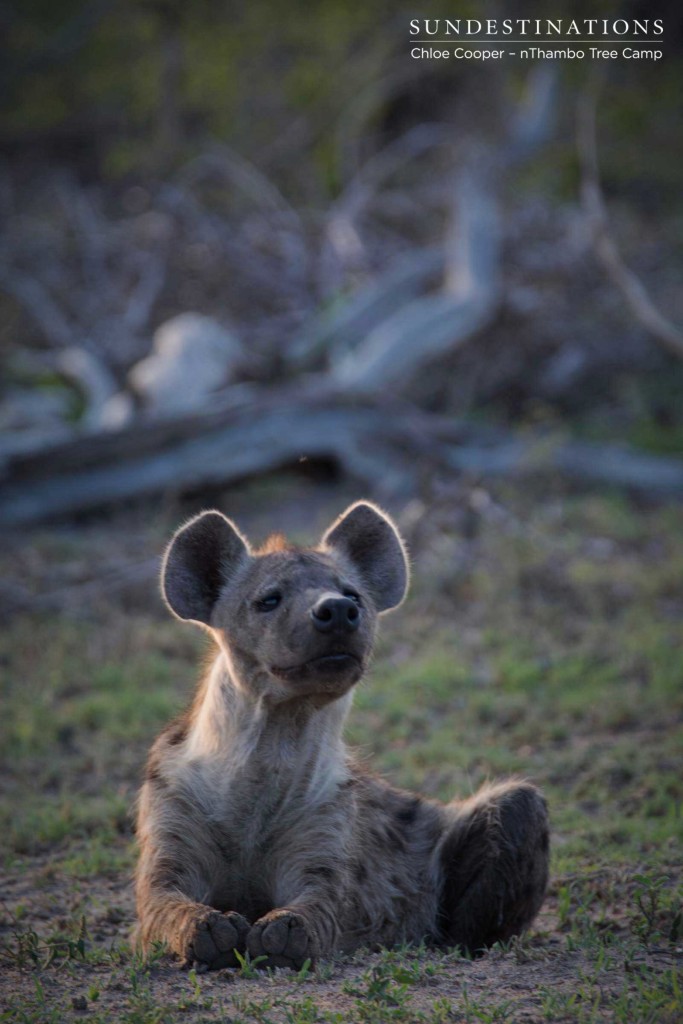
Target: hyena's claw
[(281, 936), (214, 939)]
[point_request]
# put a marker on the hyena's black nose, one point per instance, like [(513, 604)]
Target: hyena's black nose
[(333, 614)]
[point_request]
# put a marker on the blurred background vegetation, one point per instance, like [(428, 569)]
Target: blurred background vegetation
[(262, 165)]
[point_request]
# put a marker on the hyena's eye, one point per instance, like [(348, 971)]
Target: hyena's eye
[(269, 602), (352, 595)]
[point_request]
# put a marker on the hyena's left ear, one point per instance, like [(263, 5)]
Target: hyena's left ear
[(199, 562), (370, 540)]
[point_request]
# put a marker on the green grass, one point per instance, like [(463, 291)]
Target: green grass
[(78, 717), (553, 650)]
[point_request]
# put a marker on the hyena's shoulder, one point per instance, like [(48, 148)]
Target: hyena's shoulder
[(390, 818), (166, 748)]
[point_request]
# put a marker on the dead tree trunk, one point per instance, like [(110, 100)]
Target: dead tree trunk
[(387, 446)]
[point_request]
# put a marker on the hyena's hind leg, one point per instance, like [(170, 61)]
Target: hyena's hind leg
[(494, 865)]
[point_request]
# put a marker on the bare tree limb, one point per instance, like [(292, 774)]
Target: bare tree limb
[(151, 280), (421, 328), (38, 303), (631, 288), (377, 92), (91, 283), (534, 115), (225, 161), (91, 376), (340, 330), (428, 327), (363, 186)]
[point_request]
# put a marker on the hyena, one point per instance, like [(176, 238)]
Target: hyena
[(258, 830)]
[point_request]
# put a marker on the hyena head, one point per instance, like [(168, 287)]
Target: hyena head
[(293, 621)]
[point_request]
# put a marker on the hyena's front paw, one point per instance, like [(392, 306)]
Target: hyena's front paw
[(213, 937), (282, 937)]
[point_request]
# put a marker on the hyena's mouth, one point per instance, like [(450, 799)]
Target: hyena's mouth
[(328, 666)]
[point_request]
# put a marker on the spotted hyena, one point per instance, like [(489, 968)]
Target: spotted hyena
[(258, 830)]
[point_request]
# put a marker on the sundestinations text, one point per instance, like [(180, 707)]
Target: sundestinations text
[(537, 27)]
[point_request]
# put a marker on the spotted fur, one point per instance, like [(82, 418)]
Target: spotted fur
[(257, 829)]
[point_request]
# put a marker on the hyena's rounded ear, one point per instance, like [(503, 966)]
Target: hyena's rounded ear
[(369, 539), (198, 563)]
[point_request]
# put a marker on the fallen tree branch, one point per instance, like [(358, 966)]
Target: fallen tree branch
[(99, 471), (341, 330), (631, 288), (386, 446), (431, 326)]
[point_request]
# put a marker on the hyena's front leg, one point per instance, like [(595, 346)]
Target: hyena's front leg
[(304, 924), (202, 937), (288, 936), (284, 937), (493, 865)]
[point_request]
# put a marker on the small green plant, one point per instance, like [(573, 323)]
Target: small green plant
[(29, 949), (256, 1010), (383, 992), (304, 973), (197, 999), (564, 906), (194, 982), (554, 1004), (140, 959), (381, 984), (442, 1012), (324, 969), (658, 916), (485, 1012), (143, 1008), (303, 1011), (248, 965)]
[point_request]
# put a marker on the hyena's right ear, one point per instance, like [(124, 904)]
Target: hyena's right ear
[(198, 563)]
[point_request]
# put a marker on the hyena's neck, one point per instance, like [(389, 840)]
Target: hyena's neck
[(295, 741)]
